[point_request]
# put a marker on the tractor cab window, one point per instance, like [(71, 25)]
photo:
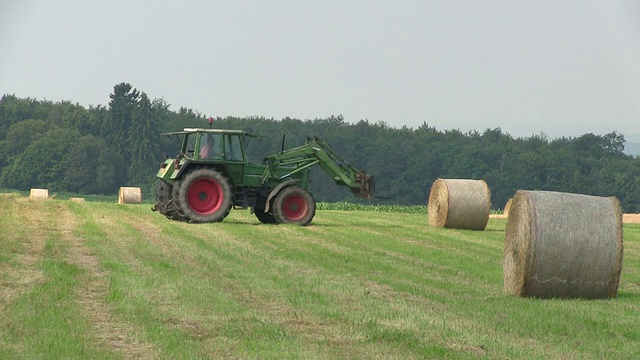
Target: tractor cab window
[(233, 150), (189, 145), (210, 146)]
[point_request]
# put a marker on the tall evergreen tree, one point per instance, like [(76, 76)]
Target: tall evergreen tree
[(122, 108), (144, 143)]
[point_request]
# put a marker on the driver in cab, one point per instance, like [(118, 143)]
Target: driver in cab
[(207, 150)]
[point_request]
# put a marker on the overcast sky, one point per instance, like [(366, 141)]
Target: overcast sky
[(563, 68)]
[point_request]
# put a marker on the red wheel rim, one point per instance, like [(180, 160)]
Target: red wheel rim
[(294, 207), (205, 196)]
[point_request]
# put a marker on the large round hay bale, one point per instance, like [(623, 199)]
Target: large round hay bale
[(76, 199), (459, 204), (507, 207), (39, 194), (130, 195), (563, 245)]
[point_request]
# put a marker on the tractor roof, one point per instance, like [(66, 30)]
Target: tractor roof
[(202, 130)]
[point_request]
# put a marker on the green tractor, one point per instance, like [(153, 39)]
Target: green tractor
[(211, 174)]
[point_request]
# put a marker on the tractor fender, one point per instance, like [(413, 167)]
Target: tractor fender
[(188, 166), (177, 173), (277, 189)]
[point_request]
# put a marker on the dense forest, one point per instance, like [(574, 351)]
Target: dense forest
[(66, 147)]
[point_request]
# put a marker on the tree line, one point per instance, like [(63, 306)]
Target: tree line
[(66, 147)]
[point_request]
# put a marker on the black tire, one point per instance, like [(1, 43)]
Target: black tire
[(203, 196), (264, 217), (164, 201), (163, 195), (294, 205)]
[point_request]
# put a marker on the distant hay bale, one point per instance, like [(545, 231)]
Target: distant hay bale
[(39, 194), (75, 199), (563, 245), (459, 204), (507, 207), (631, 218), (130, 195)]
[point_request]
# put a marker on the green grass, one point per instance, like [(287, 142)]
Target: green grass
[(102, 280), (348, 206)]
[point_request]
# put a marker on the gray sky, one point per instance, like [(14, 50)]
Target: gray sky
[(563, 68)]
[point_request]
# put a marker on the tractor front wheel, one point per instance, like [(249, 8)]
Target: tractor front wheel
[(294, 205), (203, 196)]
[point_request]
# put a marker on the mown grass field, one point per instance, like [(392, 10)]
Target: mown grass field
[(106, 281)]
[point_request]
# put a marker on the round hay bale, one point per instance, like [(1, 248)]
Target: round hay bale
[(130, 195), (507, 207), (459, 204), (631, 218), (75, 199), (39, 194), (562, 245)]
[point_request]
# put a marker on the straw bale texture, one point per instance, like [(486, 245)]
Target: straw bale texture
[(39, 194), (130, 195), (76, 199), (631, 218), (507, 207), (459, 204), (563, 245)]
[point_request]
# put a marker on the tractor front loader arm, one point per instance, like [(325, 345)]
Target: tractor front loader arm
[(317, 152)]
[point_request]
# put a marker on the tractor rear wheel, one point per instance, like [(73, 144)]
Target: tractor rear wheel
[(294, 205), (164, 201), (203, 196)]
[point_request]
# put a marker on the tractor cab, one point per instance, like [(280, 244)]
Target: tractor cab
[(212, 144), (218, 149)]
